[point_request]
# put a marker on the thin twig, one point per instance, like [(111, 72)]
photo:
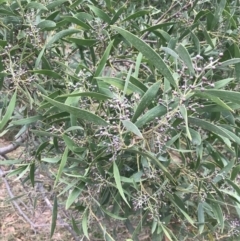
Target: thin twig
[(14, 202)]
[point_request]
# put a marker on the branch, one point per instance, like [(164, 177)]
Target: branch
[(11, 147)]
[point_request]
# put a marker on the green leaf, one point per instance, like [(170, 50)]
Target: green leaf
[(81, 114), (207, 36), (51, 160), (38, 60), (235, 172), (146, 100), (127, 81), (103, 60), (112, 215), (137, 67), (231, 194), (99, 13), (234, 186), (151, 114), (137, 14), (165, 230), (83, 42), (54, 215), (221, 175), (85, 224), (118, 182), (160, 25), (218, 13), (37, 6), (232, 96), (149, 53), (19, 171), (55, 3), (131, 127), (94, 95), (71, 145), (61, 166), (170, 52), (46, 24), (10, 162), (78, 22), (120, 84), (32, 174), (153, 159), (229, 62), (214, 99), (196, 137), (9, 111), (183, 112), (74, 195), (196, 42), (27, 121), (184, 55), (201, 219), (118, 14), (60, 35), (210, 127), (48, 72), (138, 84)]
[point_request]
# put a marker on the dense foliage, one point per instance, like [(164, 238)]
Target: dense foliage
[(131, 109)]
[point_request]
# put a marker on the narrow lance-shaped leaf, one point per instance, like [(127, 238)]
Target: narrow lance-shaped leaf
[(137, 67), (103, 60), (232, 96), (170, 52), (137, 14), (118, 182), (183, 111), (48, 72), (62, 165), (209, 126), (36, 5), (146, 100), (131, 127), (120, 84), (54, 215), (214, 99), (82, 114), (229, 62), (46, 24), (60, 35), (77, 22), (201, 219), (95, 95), (74, 194), (9, 111), (85, 224), (183, 53), (127, 81), (154, 160), (150, 115), (99, 13), (149, 53)]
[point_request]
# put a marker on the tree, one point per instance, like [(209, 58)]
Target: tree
[(132, 111)]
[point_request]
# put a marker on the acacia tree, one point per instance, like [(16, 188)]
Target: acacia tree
[(129, 109)]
